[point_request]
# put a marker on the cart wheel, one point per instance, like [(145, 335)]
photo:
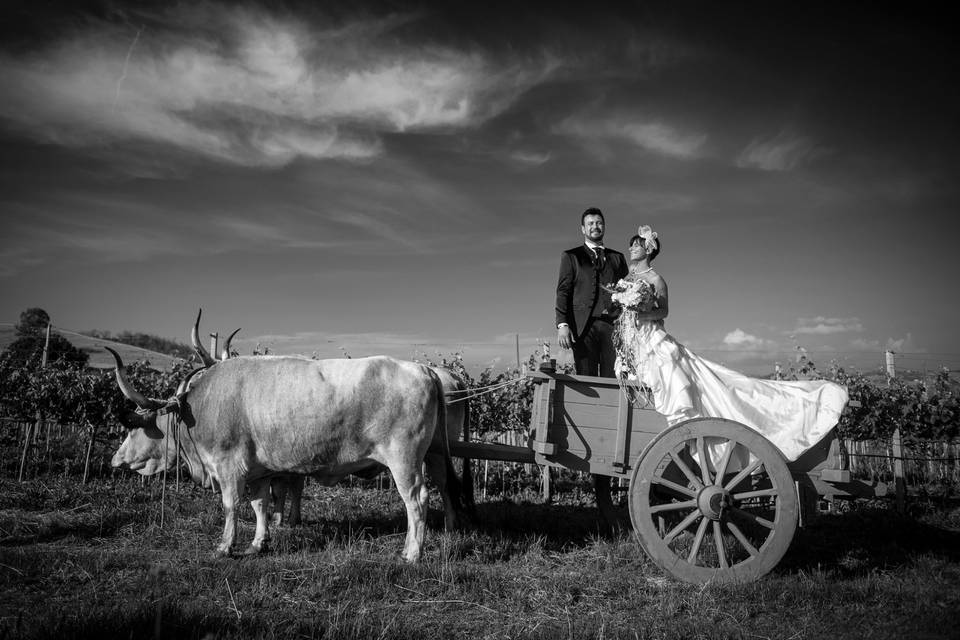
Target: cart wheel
[(729, 520)]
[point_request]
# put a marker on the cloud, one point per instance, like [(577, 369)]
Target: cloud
[(250, 87), (530, 158), (904, 345), (651, 135), (783, 152), (743, 340), (863, 344), (13, 260), (827, 326)]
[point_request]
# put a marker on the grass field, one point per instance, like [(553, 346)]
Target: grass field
[(92, 561), (100, 358)]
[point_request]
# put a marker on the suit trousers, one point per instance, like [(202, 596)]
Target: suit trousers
[(593, 353)]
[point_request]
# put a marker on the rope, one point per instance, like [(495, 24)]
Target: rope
[(473, 393), (891, 457), (163, 487), (178, 455)]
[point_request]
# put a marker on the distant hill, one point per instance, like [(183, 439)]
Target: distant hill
[(100, 358)]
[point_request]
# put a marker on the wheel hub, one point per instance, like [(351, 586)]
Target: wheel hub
[(713, 501)]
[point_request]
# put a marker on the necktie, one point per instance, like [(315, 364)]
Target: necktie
[(599, 258)]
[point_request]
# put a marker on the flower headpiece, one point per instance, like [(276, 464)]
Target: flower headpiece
[(649, 238)]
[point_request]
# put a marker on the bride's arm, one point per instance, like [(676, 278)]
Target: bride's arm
[(663, 308)]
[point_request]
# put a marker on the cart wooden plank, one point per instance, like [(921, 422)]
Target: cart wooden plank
[(590, 426)]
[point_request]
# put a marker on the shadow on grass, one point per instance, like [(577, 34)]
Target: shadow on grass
[(561, 525), (867, 539), (502, 528), (195, 621)]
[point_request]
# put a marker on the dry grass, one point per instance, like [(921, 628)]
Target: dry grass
[(81, 562)]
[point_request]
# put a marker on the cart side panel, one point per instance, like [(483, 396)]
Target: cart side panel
[(592, 426), (823, 470)]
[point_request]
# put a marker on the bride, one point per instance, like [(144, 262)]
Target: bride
[(793, 415)]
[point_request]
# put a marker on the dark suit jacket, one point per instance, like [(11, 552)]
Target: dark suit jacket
[(579, 295)]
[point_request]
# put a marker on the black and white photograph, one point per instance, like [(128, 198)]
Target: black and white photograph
[(395, 319)]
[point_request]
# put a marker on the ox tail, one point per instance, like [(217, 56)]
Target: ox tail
[(467, 478), (454, 488)]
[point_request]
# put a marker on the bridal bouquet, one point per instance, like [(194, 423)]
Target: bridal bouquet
[(633, 295)]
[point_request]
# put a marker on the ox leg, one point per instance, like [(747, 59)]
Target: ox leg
[(424, 490), (409, 481), (230, 492), (278, 492), (437, 470), (296, 493), (259, 500)]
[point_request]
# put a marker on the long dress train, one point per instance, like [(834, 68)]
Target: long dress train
[(793, 415)]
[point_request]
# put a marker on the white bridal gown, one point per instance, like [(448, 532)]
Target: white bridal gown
[(793, 415)]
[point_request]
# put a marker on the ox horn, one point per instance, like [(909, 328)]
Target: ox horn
[(183, 387), (128, 389), (225, 354), (205, 357)]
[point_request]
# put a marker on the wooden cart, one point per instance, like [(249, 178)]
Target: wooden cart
[(728, 520)]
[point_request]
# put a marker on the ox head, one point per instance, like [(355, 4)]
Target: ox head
[(147, 449)]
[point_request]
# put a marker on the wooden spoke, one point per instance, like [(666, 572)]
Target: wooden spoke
[(742, 539), (750, 539), (722, 468), (753, 517), (704, 462), (743, 474), (673, 506), (697, 541), (689, 520), (686, 471), (676, 487), (754, 494), (718, 542)]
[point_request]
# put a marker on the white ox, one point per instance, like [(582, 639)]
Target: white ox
[(246, 419), (458, 426)]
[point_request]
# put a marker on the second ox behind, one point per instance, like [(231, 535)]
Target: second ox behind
[(246, 419)]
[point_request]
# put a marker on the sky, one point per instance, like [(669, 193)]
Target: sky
[(393, 177)]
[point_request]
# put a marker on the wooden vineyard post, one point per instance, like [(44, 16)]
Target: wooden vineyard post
[(27, 434), (486, 470), (545, 487), (26, 447), (899, 478), (86, 462)]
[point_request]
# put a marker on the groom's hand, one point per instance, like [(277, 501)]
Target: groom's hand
[(565, 337)]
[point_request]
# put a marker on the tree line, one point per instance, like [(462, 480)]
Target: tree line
[(66, 391), (70, 393)]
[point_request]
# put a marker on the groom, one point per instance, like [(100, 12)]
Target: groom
[(585, 312), (585, 315)]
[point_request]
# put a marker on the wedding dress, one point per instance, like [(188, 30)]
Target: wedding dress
[(793, 415)]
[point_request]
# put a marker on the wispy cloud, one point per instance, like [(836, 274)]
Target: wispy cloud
[(865, 344), (250, 87), (783, 152), (826, 326), (651, 135), (13, 260), (530, 158)]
